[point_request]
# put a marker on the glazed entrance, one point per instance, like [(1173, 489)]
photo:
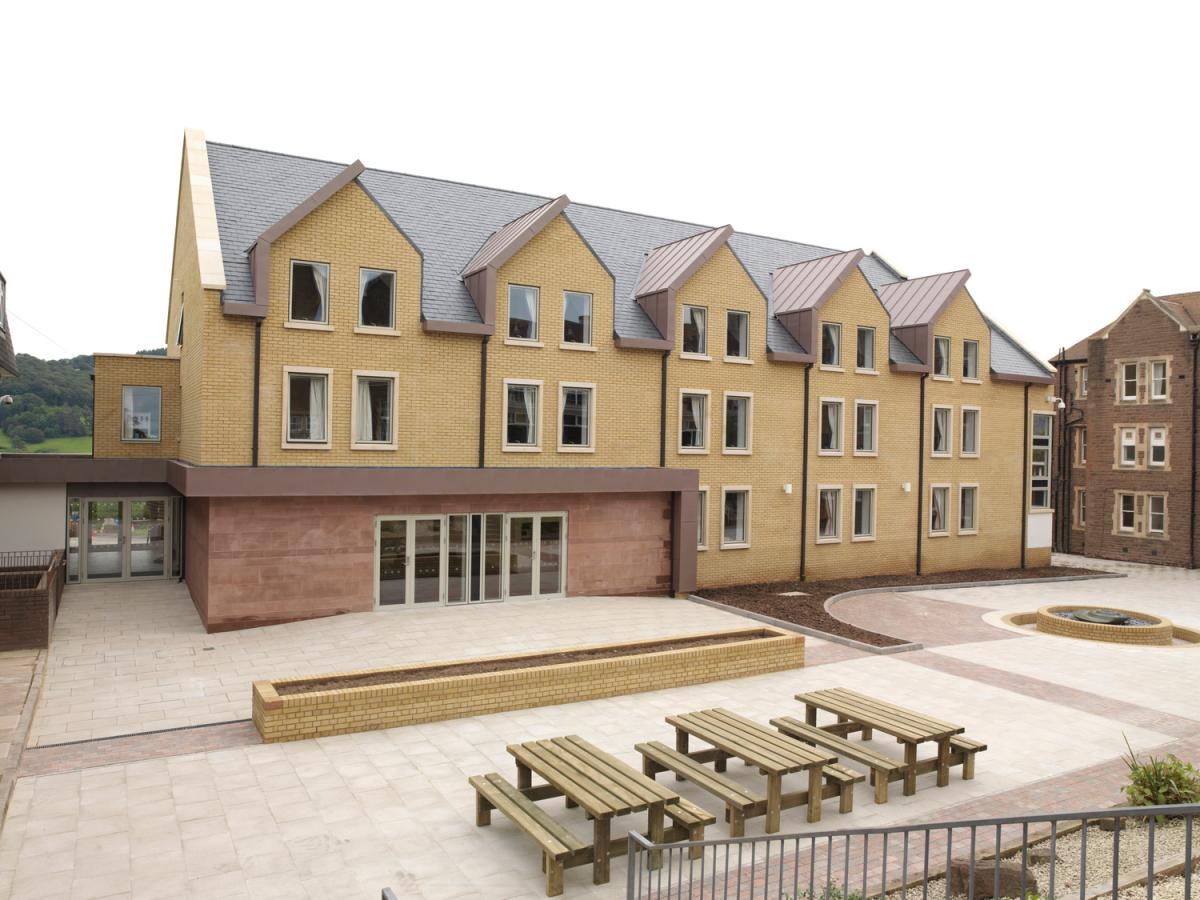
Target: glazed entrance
[(469, 558)]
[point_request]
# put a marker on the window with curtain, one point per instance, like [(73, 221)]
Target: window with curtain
[(968, 517), (865, 440), (1128, 512), (695, 330), (939, 501), (831, 344), (829, 514), (376, 298), (307, 408), (735, 527), (309, 292), (864, 512), (522, 312), (576, 417), (521, 425), (1158, 514), (970, 432), (831, 426), (374, 410), (941, 431), (737, 423), (577, 318), (941, 356), (691, 421), (970, 359), (1158, 379), (865, 349), (737, 334), (141, 412)]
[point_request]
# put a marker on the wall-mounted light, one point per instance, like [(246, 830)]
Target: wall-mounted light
[(906, 487), (787, 488)]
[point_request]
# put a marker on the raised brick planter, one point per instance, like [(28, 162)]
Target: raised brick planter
[(1159, 633), (296, 716)]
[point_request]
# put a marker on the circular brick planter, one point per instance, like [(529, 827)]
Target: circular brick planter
[(1157, 634)]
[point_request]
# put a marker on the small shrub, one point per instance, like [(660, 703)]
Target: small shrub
[(1160, 782)]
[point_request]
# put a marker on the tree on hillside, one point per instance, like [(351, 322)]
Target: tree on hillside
[(51, 398)]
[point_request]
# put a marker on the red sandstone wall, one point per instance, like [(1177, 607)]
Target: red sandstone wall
[(264, 560)]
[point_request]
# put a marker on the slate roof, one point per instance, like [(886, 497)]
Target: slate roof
[(452, 223)]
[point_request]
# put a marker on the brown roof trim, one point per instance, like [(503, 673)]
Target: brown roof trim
[(241, 308), (448, 326), (503, 243), (632, 343), (808, 284), (915, 368), (1023, 379), (29, 468), (789, 356)]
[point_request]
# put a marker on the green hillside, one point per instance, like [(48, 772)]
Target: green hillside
[(52, 406)]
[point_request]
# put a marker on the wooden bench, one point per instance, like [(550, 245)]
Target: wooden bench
[(560, 848), (740, 802), (691, 820), (962, 751), (884, 769)]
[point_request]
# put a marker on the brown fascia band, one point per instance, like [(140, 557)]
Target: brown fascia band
[(46, 468), (915, 368), (789, 356), (628, 343), (446, 326), (1023, 379)]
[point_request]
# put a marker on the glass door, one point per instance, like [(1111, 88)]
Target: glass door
[(411, 563), (536, 554), (104, 544), (427, 560), (393, 562), (521, 556), (147, 538), (551, 553)]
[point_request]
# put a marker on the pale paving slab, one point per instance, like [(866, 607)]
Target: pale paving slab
[(129, 658), (341, 817)]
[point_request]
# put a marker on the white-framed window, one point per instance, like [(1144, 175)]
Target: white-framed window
[(522, 416), (1158, 446), (523, 303), (373, 410), (739, 422), (576, 417), (693, 421), (178, 331), (1129, 381), (737, 335), (308, 294), (1158, 379), (970, 367), (1039, 461), (832, 415), (941, 357), (141, 413), (829, 513), (1156, 514), (968, 509), (735, 517), (864, 349), (1082, 446), (970, 431), (306, 406), (702, 518), (1129, 446), (377, 299), (939, 509), (695, 331), (942, 437), (863, 528), (866, 427), (831, 345), (1083, 382), (1080, 507), (577, 319), (1127, 512)]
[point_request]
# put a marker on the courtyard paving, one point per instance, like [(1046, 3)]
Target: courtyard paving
[(207, 811)]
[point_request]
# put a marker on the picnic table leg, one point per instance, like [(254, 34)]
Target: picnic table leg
[(867, 733), (524, 776), (910, 769), (775, 800), (943, 759), (810, 714), (681, 746), (720, 763), (483, 811), (601, 833), (880, 779), (554, 876), (814, 794), (657, 829)]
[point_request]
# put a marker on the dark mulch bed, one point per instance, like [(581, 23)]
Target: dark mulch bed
[(809, 610), (423, 673)]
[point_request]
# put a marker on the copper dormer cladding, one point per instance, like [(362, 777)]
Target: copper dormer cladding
[(479, 275), (914, 306), (798, 291), (665, 270)]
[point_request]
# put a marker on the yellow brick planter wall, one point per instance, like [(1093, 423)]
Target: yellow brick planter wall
[(341, 711), (1158, 634)]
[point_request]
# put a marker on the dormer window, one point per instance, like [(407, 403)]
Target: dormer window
[(695, 330), (309, 292), (376, 298), (522, 312), (831, 344), (737, 335), (941, 357)]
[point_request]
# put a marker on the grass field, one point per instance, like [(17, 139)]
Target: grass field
[(54, 445)]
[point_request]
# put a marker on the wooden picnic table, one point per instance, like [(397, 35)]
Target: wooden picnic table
[(599, 783), (859, 712), (772, 753)]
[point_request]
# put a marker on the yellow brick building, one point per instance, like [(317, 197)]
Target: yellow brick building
[(383, 389)]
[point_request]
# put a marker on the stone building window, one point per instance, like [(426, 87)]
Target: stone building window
[(968, 509), (829, 514), (1158, 379), (831, 427), (1129, 446), (864, 513), (866, 427), (737, 422), (578, 417), (306, 410), (1156, 519), (1129, 381), (693, 422), (735, 525), (1158, 446), (940, 439), (941, 357), (577, 318), (374, 410), (1039, 461), (970, 431), (522, 415), (939, 509), (1127, 512), (865, 349)]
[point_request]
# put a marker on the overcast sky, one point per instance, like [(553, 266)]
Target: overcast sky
[(1051, 148)]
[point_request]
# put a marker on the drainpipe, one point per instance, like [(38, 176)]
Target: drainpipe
[(1195, 339), (921, 471), (483, 356), (254, 404), (804, 482), (662, 412), (1025, 476)]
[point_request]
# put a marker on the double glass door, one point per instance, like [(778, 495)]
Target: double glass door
[(118, 539), (465, 558)]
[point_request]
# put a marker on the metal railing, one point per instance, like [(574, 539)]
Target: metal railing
[(1037, 856)]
